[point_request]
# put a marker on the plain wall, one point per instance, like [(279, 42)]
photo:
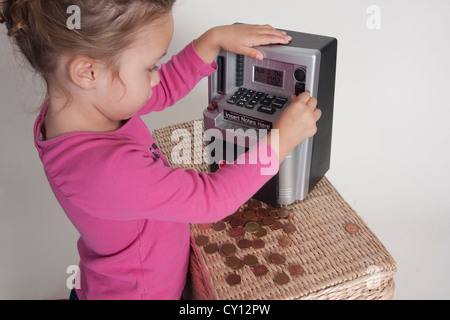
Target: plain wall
[(390, 148)]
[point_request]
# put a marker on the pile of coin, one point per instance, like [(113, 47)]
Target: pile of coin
[(248, 227)]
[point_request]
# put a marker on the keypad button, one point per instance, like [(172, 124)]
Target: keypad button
[(266, 102), (267, 110), (241, 91), (277, 105), (241, 103), (231, 101), (281, 100)]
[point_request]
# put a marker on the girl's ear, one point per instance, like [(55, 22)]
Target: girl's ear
[(84, 72)]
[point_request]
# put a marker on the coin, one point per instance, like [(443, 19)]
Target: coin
[(237, 214), (228, 249), (249, 215), (244, 244), (237, 222), (250, 260), (252, 227), (273, 213), (236, 232), (262, 232), (281, 278), (296, 270), (233, 262), (219, 226), (283, 213), (255, 204), (276, 226), (204, 226), (262, 213), (201, 240), (233, 279), (289, 228), (284, 241), (260, 270), (352, 228), (277, 259), (211, 248), (258, 244), (268, 221)]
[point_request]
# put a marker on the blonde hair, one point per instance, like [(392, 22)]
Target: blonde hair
[(39, 28)]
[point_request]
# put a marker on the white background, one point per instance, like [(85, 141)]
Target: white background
[(390, 149)]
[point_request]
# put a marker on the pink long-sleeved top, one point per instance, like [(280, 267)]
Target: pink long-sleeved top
[(131, 208)]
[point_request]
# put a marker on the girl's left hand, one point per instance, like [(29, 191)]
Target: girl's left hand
[(239, 39)]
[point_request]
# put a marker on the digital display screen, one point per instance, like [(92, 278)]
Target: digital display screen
[(269, 76)]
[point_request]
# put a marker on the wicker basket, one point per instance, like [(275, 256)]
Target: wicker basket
[(337, 264)]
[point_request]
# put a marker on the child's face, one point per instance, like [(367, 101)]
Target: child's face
[(137, 71)]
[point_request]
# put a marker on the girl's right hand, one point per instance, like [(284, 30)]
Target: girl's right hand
[(296, 124)]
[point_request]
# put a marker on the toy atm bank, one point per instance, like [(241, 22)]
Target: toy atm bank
[(249, 94)]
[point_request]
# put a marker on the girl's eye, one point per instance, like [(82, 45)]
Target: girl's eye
[(154, 69)]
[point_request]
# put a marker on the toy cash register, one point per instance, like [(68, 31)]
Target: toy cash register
[(249, 94)]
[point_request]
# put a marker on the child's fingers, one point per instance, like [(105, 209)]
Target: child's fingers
[(273, 37), (317, 114), (303, 98), (312, 103), (251, 53)]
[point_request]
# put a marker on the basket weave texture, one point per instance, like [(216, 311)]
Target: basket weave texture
[(337, 265)]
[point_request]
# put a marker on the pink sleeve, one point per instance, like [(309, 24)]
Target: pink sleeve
[(143, 187), (178, 77)]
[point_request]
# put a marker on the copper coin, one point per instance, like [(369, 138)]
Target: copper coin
[(283, 213), (282, 278), (236, 232), (289, 228), (237, 214), (244, 244), (258, 244), (219, 226), (227, 219), (262, 213), (237, 222), (250, 260), (204, 226), (284, 241), (255, 204), (277, 225), (262, 232), (296, 270), (260, 270), (352, 228), (277, 258), (228, 249), (233, 279), (252, 227), (268, 221), (233, 262), (273, 213), (249, 215), (201, 240), (211, 248)]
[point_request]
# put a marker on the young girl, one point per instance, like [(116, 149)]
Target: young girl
[(131, 209)]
